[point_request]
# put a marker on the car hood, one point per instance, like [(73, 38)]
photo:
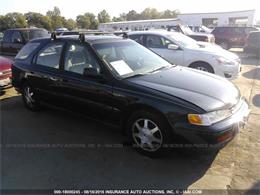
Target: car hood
[(215, 50), (208, 91)]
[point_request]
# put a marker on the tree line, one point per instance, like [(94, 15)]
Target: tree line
[(53, 19)]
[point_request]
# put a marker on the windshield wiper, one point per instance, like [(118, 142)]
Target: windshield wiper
[(136, 75), (162, 67)]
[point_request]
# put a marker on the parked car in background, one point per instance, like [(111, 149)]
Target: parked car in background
[(152, 100), (200, 29), (229, 37), (182, 50), (252, 45), (5, 72), (65, 33), (188, 32), (15, 39)]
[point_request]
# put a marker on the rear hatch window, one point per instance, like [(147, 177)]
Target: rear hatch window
[(26, 51), (34, 34)]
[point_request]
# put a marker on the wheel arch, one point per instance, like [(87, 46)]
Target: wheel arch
[(129, 110), (201, 62)]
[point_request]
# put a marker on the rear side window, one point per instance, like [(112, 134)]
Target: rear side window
[(50, 55), (137, 38), (26, 50), (7, 36), (254, 38)]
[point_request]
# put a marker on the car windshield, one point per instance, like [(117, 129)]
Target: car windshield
[(32, 34), (183, 40), (128, 58)]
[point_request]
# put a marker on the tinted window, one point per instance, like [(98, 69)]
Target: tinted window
[(153, 41), (239, 31), (50, 55), (137, 38), (254, 38), (79, 57), (7, 36), (33, 34), (26, 50), (17, 37)]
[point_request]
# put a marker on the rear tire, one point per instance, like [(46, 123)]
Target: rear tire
[(148, 132), (29, 97), (202, 66)]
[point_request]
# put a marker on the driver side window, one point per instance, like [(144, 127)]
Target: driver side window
[(78, 57), (153, 41)]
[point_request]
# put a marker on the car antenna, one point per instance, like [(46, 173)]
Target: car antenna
[(53, 36), (81, 37), (125, 35)]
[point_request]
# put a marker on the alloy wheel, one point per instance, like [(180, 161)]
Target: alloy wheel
[(147, 135), (28, 95)]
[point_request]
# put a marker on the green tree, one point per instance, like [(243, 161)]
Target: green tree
[(103, 17), (122, 17), (149, 13), (38, 20), (57, 21), (132, 15), (87, 21), (83, 22), (14, 20), (70, 24), (169, 14)]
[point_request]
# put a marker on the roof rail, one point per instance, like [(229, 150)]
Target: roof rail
[(81, 37), (125, 35), (53, 36)]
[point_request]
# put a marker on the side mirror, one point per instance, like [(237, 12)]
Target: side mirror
[(173, 47), (91, 72), (17, 40)]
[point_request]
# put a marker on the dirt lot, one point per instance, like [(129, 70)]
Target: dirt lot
[(51, 149)]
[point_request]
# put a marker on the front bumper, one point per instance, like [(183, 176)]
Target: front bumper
[(229, 71), (218, 134), (5, 83)]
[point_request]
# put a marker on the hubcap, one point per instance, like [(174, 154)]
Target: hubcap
[(28, 94), (147, 135), (202, 69)]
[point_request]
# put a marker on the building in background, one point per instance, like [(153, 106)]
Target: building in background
[(139, 24), (233, 18)]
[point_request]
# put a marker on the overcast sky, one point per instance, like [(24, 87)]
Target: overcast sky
[(72, 8)]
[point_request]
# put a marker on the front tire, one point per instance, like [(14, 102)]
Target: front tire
[(148, 132), (29, 97), (202, 66)]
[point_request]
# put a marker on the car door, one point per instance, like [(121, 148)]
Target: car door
[(17, 42), (85, 94), (45, 72), (159, 45), (6, 43)]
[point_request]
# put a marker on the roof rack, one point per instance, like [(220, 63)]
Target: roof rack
[(81, 37), (53, 36)]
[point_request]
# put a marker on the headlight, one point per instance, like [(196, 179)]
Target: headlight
[(224, 61), (209, 118)]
